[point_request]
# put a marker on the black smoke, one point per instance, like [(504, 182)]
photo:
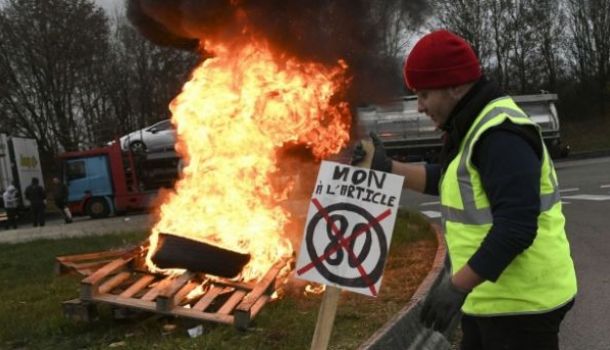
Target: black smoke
[(317, 30)]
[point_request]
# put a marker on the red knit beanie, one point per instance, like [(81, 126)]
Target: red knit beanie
[(441, 59)]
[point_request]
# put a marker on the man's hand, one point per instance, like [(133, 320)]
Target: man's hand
[(380, 159), (442, 304)]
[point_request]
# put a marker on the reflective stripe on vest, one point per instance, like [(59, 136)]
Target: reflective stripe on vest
[(479, 216), (539, 279)]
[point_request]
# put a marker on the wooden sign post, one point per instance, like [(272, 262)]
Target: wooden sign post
[(326, 318), (347, 235)]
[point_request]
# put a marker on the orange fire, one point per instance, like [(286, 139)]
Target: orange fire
[(232, 117)]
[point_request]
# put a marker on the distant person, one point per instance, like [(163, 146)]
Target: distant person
[(38, 201), (11, 203), (60, 197)]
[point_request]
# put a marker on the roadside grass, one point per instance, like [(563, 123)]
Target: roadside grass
[(31, 316), (587, 135)]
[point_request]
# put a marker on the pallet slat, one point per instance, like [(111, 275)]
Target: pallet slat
[(114, 281), (233, 300), (266, 284), (208, 298), (83, 263), (154, 291), (89, 286), (138, 286), (166, 298)]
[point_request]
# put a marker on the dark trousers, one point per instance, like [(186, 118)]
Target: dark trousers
[(11, 218), (38, 214), (519, 332)]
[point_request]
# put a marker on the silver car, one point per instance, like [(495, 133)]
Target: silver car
[(157, 137)]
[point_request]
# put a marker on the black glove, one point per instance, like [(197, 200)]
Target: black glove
[(442, 305), (380, 159)]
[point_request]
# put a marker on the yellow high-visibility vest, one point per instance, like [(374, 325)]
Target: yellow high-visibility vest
[(542, 277)]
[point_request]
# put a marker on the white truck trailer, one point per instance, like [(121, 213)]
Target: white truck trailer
[(410, 135), (19, 163)]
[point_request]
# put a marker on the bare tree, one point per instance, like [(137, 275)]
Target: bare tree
[(468, 18), (524, 64), (46, 50), (143, 79), (549, 22), (590, 30)]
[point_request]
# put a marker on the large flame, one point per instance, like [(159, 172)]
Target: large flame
[(233, 116)]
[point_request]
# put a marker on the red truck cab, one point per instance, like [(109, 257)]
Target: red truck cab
[(107, 180)]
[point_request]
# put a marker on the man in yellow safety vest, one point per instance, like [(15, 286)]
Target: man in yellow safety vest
[(513, 277)]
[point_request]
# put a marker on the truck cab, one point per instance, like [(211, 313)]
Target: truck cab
[(107, 180)]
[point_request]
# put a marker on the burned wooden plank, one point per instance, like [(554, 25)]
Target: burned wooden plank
[(165, 299), (183, 253), (243, 317), (253, 302), (184, 291), (208, 298), (265, 285)]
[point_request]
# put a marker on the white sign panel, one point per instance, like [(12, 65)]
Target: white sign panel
[(349, 227)]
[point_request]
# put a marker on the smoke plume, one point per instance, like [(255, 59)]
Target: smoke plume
[(317, 30)]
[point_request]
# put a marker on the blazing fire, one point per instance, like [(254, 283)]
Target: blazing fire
[(233, 116)]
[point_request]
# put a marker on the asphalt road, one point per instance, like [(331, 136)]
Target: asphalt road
[(585, 192)]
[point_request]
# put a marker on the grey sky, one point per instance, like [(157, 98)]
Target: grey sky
[(111, 5)]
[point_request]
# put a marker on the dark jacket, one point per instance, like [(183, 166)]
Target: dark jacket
[(35, 194), (60, 195)]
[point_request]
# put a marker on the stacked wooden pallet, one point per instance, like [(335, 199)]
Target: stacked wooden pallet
[(117, 278)]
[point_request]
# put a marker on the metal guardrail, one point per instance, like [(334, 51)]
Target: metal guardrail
[(404, 330)]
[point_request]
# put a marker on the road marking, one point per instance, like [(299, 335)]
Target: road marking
[(431, 214), (589, 197), (568, 190), (564, 203), (604, 186), (429, 203)]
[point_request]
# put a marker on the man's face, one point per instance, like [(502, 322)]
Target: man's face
[(437, 104)]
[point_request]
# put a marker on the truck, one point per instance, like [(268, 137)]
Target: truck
[(108, 180), (19, 163), (412, 136)]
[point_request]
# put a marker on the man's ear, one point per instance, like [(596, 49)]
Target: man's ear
[(457, 92)]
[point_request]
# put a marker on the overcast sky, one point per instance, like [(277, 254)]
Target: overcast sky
[(111, 5)]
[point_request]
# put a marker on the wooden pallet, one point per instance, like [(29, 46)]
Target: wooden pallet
[(120, 283), (86, 264)]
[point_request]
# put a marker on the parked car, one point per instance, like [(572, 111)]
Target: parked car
[(157, 137), (410, 135)]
